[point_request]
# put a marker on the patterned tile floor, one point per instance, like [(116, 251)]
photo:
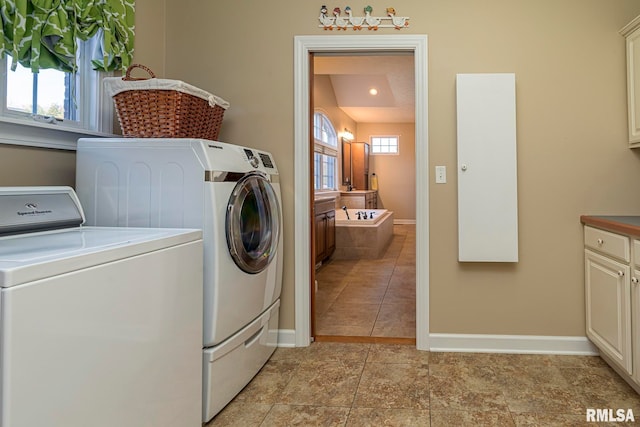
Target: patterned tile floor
[(370, 297), (344, 384)]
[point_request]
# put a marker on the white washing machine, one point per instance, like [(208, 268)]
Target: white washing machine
[(99, 326), (233, 194)]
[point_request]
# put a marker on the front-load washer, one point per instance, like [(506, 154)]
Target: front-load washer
[(98, 326), (229, 191)]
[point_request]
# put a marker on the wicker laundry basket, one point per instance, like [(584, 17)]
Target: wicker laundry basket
[(162, 108)]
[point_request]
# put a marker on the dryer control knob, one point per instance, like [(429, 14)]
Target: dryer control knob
[(254, 162)]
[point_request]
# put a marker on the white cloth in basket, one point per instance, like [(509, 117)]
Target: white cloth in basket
[(115, 85)]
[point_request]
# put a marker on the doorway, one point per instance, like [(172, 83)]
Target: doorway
[(364, 288), (304, 47)]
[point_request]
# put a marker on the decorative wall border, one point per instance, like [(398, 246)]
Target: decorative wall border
[(335, 19)]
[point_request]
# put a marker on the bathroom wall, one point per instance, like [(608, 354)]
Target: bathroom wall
[(396, 173), (569, 62)]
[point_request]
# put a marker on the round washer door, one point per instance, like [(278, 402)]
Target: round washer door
[(253, 223)]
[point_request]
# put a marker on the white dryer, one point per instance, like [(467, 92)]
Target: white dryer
[(98, 326), (233, 194)]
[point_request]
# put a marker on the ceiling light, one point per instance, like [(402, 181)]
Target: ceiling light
[(373, 91)]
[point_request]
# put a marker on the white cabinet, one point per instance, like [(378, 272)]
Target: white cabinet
[(635, 321), (631, 32), (635, 308), (608, 296), (487, 168), (608, 314)]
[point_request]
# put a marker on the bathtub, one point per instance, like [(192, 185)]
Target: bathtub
[(373, 216), (363, 238)]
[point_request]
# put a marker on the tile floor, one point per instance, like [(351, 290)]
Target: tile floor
[(358, 384), (345, 384), (370, 297)]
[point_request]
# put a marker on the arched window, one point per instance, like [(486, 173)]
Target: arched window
[(325, 149)]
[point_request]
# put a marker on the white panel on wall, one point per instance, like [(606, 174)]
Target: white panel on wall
[(487, 172)]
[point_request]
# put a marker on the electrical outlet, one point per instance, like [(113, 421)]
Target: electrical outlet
[(441, 174)]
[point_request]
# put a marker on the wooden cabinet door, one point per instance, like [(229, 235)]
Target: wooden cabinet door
[(330, 233), (360, 165), (608, 307), (321, 247)]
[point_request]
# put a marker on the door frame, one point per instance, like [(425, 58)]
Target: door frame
[(303, 47)]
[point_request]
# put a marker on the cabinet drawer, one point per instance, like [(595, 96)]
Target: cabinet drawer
[(611, 244)]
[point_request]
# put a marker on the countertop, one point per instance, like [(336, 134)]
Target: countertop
[(622, 224), (325, 195), (357, 192)]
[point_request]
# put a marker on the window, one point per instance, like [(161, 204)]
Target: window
[(325, 176), (326, 153), (384, 145), (55, 108), (47, 93), (70, 101)]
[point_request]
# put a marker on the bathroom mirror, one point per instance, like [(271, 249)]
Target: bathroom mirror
[(346, 162)]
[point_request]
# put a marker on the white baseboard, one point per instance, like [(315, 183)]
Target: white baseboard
[(480, 343), (404, 221), (518, 344), (286, 338)]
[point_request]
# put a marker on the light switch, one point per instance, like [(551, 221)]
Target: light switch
[(441, 174)]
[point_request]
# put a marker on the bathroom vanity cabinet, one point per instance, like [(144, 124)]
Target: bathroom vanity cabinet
[(359, 199), (612, 295), (325, 228)]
